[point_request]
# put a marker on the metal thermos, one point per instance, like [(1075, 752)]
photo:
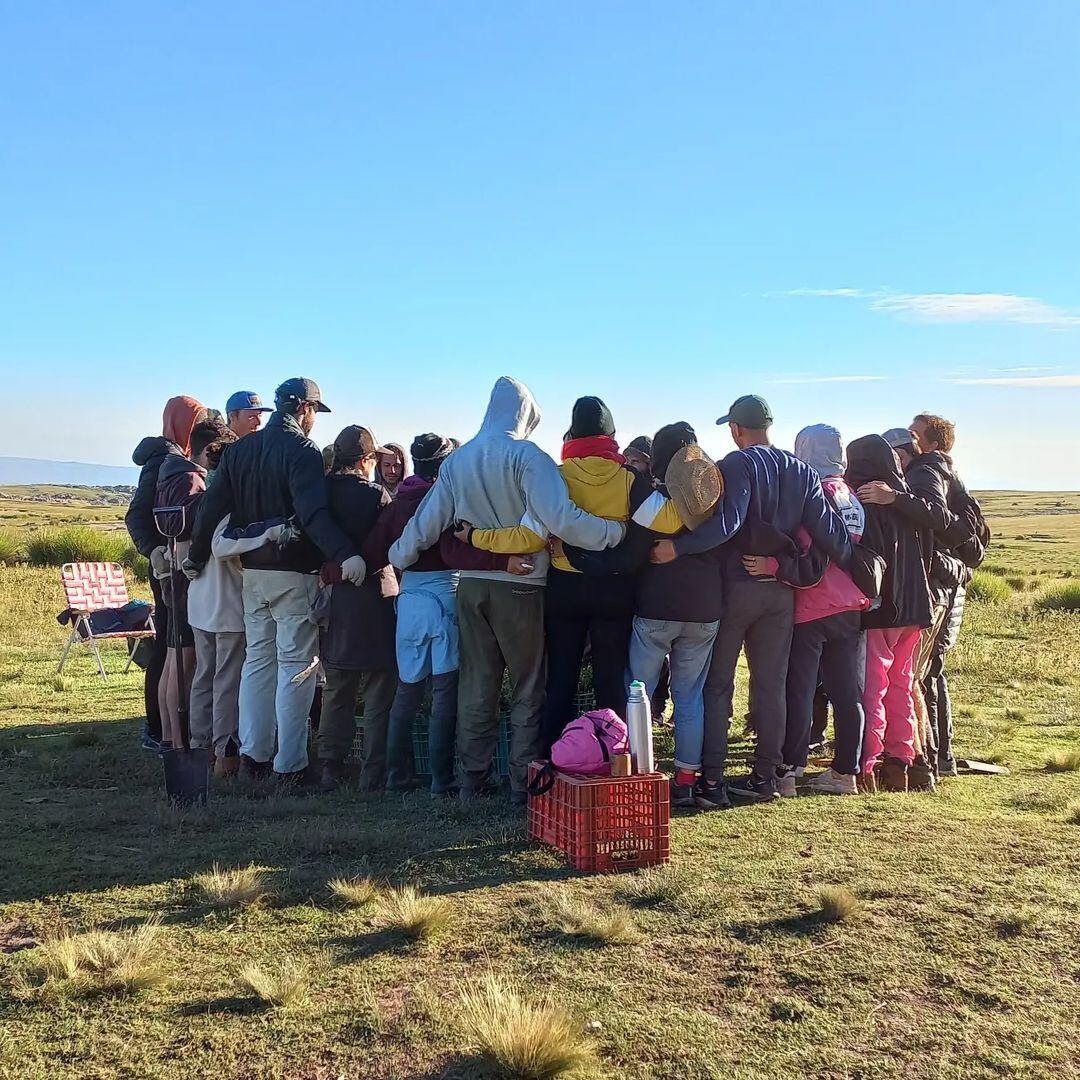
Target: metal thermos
[(639, 727)]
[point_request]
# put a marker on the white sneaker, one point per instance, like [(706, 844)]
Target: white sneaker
[(786, 786), (834, 783)]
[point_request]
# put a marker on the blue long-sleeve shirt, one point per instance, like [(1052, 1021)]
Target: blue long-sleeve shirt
[(777, 488)]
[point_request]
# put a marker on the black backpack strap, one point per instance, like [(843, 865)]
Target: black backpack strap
[(543, 781)]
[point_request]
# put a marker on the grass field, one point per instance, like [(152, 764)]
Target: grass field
[(952, 953)]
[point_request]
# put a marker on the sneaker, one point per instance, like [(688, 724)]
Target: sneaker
[(754, 788), (254, 770), (785, 785), (332, 776), (445, 793), (519, 798), (920, 776), (711, 795), (893, 775), (149, 742), (866, 783), (682, 794), (947, 767), (831, 782)]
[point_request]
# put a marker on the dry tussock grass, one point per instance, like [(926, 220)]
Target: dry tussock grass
[(102, 961), (575, 918), (409, 912), (233, 887), (285, 988), (531, 1041)]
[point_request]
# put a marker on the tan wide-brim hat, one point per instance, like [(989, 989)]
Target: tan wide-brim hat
[(694, 484)]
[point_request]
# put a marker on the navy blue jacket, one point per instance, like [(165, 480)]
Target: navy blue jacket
[(762, 483), (276, 472)]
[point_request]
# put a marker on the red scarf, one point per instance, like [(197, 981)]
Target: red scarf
[(601, 446)]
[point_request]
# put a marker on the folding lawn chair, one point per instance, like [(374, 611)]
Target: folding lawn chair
[(91, 588)]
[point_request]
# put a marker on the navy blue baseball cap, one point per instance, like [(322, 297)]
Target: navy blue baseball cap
[(245, 399)]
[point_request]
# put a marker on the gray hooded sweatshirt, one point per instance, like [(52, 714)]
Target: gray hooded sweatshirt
[(499, 480)]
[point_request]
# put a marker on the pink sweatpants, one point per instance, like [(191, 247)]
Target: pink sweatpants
[(887, 700)]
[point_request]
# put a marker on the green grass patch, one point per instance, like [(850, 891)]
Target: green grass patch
[(1064, 597), (988, 588)]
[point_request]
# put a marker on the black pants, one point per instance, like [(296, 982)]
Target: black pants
[(577, 607), (821, 714), (837, 646), (936, 685), (442, 729), (156, 664), (759, 614)]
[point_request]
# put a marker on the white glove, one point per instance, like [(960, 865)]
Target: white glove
[(354, 570), (159, 561)]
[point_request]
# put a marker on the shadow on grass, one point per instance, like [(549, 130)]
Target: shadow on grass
[(809, 924), (234, 1005), (352, 948)]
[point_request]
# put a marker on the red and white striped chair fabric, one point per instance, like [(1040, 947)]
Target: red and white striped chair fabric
[(91, 587)]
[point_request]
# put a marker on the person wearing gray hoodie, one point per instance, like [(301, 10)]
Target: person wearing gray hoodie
[(501, 480)]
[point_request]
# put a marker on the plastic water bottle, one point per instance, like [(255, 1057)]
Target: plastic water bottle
[(639, 727)]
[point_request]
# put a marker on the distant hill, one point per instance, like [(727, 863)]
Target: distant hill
[(15, 470)]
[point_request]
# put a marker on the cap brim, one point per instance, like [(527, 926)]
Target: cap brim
[(725, 419), (383, 450), (321, 407)]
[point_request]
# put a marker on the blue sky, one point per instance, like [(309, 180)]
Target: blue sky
[(858, 210)]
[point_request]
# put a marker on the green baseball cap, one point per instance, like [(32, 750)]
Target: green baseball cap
[(749, 411)]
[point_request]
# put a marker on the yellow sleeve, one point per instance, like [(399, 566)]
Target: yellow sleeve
[(516, 540), (659, 514)]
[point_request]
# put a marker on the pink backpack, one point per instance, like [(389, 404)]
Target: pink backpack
[(587, 743)]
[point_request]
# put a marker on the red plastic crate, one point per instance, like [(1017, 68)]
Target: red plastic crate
[(603, 823)]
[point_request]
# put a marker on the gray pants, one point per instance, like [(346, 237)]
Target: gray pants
[(281, 642), (759, 614), (502, 628), (215, 691)]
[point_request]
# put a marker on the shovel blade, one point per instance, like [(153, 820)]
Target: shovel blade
[(187, 776)]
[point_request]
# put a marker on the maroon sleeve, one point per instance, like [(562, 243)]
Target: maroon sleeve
[(389, 525), (185, 490), (461, 556)]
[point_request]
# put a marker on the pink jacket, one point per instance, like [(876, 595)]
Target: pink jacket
[(835, 592)]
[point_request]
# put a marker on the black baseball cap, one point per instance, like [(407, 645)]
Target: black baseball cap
[(300, 390), (749, 411)]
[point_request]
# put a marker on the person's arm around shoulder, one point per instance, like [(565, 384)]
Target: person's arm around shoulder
[(825, 526), (727, 517), (516, 539), (307, 489), (433, 516), (547, 500)]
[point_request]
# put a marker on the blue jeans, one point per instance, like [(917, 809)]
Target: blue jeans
[(689, 645)]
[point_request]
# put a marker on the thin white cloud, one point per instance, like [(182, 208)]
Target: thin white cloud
[(955, 307), (802, 379), (1045, 381)]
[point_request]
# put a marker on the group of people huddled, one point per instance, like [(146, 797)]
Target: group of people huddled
[(306, 579)]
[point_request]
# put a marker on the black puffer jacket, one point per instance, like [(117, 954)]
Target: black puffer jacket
[(139, 519), (935, 488), (274, 473), (361, 630), (905, 591)]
